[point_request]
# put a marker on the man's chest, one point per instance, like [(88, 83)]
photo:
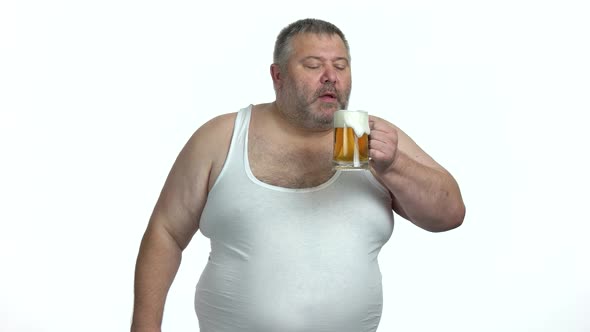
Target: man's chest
[(288, 165)]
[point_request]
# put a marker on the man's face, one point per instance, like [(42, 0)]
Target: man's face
[(317, 81)]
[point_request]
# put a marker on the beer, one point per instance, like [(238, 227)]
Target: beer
[(351, 140), (344, 147)]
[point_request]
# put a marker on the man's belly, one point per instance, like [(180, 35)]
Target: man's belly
[(289, 295)]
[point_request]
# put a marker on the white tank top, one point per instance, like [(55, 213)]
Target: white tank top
[(291, 260)]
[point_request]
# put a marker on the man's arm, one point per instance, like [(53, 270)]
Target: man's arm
[(422, 190), (175, 220)]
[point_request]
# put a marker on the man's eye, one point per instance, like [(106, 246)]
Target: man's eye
[(312, 66)]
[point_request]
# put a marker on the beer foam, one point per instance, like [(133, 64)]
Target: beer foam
[(357, 120)]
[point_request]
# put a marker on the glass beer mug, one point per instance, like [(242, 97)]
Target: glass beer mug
[(351, 140)]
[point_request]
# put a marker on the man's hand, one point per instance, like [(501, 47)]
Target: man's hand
[(382, 144)]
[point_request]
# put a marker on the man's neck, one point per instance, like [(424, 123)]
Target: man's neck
[(293, 129)]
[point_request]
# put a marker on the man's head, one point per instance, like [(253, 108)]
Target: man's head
[(283, 46), (311, 72)]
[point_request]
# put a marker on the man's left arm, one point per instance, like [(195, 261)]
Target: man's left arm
[(422, 190)]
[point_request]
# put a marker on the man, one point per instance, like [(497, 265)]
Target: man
[(294, 243)]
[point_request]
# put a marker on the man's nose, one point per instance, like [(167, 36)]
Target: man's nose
[(329, 75)]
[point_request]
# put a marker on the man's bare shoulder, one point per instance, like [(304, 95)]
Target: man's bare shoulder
[(212, 137), (210, 143), (220, 125)]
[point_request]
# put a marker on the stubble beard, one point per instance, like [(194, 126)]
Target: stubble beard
[(300, 102)]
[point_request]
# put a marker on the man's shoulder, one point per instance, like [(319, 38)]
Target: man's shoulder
[(211, 143), (218, 125), (223, 124), (206, 141)]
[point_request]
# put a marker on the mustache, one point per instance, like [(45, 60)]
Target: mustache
[(329, 88)]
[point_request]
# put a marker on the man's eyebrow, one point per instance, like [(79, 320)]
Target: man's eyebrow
[(341, 58), (315, 57)]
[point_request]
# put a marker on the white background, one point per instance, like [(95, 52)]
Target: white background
[(98, 97)]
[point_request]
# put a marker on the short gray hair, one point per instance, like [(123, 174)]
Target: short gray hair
[(283, 46)]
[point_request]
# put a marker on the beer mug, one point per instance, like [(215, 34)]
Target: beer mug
[(351, 140)]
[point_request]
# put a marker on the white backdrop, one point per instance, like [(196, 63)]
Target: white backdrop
[(97, 98)]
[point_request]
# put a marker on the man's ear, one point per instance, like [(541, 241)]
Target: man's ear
[(276, 74)]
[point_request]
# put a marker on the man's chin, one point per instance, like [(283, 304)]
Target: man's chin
[(324, 117), (329, 107)]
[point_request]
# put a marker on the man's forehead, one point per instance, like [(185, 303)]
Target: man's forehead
[(313, 44)]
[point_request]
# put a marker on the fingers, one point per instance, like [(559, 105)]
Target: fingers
[(389, 137), (380, 145), (381, 151), (380, 160), (378, 123), (383, 142)]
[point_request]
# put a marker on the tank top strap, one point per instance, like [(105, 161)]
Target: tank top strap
[(240, 135), (241, 124)]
